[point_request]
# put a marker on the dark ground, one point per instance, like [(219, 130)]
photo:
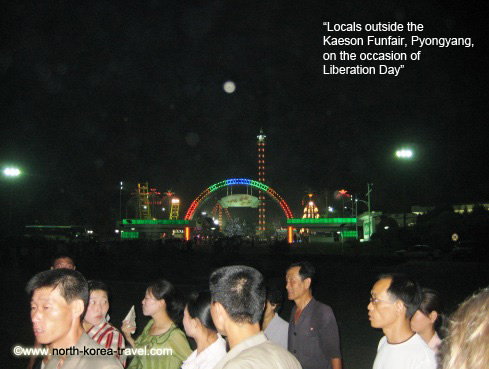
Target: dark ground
[(343, 283)]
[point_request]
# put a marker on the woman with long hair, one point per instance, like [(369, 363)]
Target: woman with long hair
[(198, 324), (428, 318), (165, 343)]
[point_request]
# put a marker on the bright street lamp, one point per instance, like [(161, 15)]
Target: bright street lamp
[(404, 154), (11, 172)]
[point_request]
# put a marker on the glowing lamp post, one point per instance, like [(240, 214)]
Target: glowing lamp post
[(404, 154), (10, 173)]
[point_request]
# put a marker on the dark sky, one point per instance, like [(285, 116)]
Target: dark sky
[(97, 92)]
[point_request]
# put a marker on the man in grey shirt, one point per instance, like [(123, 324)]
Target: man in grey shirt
[(313, 332)]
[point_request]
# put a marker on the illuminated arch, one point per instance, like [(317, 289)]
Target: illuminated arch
[(237, 182)]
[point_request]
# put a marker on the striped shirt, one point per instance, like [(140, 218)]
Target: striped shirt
[(106, 335)]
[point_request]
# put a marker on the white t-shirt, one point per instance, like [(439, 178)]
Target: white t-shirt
[(412, 354), (208, 358)]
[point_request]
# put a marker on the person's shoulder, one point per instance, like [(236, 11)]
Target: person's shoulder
[(264, 355), (322, 312), (177, 332), (321, 306), (382, 342), (421, 345), (281, 321)]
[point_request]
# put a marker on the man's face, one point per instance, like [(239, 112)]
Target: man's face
[(382, 310), (52, 317), (296, 287), (63, 263)]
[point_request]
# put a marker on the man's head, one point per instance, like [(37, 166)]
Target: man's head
[(299, 279), (238, 296), (58, 302), (63, 261), (394, 299)]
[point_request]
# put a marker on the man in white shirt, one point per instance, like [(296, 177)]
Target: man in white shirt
[(394, 300)]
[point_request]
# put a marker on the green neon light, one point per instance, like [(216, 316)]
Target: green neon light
[(321, 220), (222, 184), (260, 185), (130, 235), (156, 221), (217, 186), (349, 234)]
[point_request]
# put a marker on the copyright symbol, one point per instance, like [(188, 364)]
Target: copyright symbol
[(17, 350)]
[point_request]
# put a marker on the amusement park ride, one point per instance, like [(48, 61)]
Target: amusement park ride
[(147, 226)]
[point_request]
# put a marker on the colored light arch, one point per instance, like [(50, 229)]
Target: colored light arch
[(238, 182)]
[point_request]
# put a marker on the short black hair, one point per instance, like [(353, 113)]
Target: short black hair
[(405, 289), (98, 286), (199, 306), (241, 291), (162, 289), (306, 270), (72, 285), (62, 255), (275, 297)]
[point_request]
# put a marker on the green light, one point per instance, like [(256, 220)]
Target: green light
[(156, 221), (349, 234), (259, 185), (321, 220), (217, 186), (130, 235)]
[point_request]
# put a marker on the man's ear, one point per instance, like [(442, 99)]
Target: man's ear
[(77, 307), (308, 281), (400, 308), (52, 268), (221, 313)]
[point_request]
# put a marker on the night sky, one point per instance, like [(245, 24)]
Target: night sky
[(97, 92)]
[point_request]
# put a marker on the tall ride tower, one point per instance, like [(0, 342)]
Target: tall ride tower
[(261, 178)]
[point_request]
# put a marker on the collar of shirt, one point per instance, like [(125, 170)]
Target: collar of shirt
[(243, 345), (305, 312)]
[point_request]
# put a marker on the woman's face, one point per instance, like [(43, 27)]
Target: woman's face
[(189, 323), (151, 305), (421, 323), (98, 305)]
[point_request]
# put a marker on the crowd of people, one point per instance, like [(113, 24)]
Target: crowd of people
[(235, 324)]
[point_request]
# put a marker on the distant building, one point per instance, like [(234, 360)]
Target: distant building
[(369, 223), (460, 209)]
